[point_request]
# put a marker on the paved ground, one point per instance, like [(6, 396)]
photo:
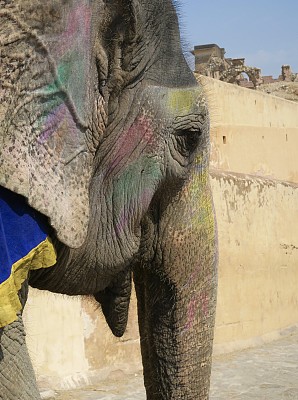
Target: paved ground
[(269, 372)]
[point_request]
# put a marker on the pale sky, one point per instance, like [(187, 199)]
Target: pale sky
[(263, 32)]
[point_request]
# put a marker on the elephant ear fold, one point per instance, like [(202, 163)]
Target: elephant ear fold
[(46, 103), (122, 40)]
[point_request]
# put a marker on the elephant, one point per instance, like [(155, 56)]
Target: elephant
[(104, 134)]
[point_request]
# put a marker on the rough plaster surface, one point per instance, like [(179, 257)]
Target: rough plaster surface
[(70, 343), (252, 132), (258, 245)]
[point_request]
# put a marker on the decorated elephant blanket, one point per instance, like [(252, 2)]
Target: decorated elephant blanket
[(24, 245)]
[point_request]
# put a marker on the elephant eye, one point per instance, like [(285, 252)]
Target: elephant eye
[(101, 86), (188, 141)]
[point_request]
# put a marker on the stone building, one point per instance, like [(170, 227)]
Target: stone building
[(210, 61)]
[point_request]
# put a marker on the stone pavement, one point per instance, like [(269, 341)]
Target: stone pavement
[(269, 372)]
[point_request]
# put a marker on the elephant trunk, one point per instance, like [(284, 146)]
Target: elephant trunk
[(176, 294), (176, 337)]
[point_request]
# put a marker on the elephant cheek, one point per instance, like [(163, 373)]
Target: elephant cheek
[(129, 218), (133, 193)]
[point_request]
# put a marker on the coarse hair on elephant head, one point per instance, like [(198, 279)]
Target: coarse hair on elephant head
[(105, 131)]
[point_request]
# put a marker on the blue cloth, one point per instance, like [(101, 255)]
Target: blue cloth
[(21, 230)]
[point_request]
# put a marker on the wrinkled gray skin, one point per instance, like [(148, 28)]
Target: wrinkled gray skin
[(105, 131)]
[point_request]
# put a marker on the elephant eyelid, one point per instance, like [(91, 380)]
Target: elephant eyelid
[(189, 123), (188, 141), (190, 131)]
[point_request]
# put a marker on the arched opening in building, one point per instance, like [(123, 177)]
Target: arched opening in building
[(242, 76)]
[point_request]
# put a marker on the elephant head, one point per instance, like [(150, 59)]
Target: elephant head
[(105, 131)]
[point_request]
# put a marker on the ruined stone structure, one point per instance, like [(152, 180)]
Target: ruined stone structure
[(234, 74), (287, 75), (210, 61)]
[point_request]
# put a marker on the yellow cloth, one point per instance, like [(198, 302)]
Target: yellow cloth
[(42, 256)]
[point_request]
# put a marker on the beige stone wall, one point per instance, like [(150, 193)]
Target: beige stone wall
[(257, 213), (56, 327), (254, 139), (70, 343), (258, 259), (260, 131)]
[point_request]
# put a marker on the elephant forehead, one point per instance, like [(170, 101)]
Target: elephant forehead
[(186, 101), (177, 102), (182, 101)]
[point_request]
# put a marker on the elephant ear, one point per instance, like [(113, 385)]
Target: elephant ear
[(46, 103)]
